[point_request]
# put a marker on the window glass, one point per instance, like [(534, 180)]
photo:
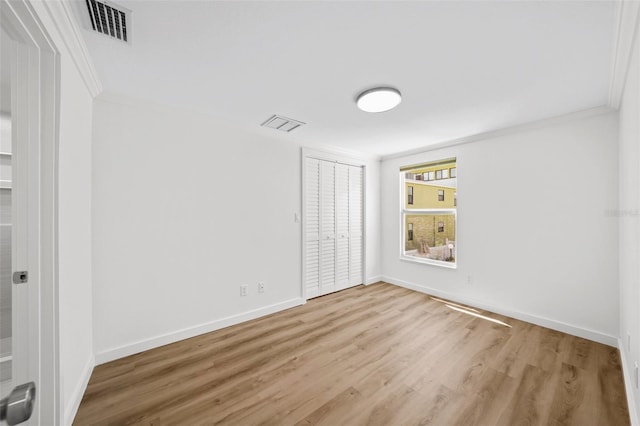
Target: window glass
[(429, 216)]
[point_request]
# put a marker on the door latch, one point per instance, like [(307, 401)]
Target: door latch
[(20, 277)]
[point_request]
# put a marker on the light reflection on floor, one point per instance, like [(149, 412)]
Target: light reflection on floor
[(475, 314)]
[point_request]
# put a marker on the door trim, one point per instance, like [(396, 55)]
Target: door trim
[(36, 100)]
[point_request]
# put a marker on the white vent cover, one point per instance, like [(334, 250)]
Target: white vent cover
[(283, 124), (109, 19)]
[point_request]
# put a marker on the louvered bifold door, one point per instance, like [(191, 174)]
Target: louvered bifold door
[(327, 228), (355, 225), (342, 226), (312, 227)]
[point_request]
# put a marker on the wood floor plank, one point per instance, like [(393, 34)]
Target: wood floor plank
[(333, 411), (613, 401), (489, 402), (571, 403), (530, 403), (374, 355)]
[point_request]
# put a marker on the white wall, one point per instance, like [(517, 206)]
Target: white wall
[(373, 261), (74, 224), (628, 217), (74, 228), (533, 230), (185, 210)]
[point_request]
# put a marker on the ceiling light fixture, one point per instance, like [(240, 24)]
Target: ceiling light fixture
[(379, 99)]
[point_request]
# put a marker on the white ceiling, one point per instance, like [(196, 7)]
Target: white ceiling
[(463, 67)]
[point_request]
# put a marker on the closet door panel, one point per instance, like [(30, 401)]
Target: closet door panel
[(342, 226), (312, 227), (327, 227)]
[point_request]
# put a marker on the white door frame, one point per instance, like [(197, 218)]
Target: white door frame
[(35, 96), (336, 158)]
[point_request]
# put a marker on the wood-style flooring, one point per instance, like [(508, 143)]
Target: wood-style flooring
[(376, 355)]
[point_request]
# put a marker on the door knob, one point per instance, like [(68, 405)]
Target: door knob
[(18, 406)]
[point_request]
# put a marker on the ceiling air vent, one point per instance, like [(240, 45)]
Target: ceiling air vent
[(283, 124), (109, 19)]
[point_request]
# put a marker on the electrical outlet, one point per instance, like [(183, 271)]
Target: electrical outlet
[(469, 280), (261, 287), (244, 290), (636, 374), (628, 342)]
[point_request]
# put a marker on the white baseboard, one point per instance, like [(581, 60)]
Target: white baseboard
[(73, 404), (585, 333), (186, 333), (628, 385), (373, 280)]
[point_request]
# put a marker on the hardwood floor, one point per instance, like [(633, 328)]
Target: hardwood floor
[(376, 355)]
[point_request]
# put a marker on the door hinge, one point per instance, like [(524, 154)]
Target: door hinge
[(20, 277)]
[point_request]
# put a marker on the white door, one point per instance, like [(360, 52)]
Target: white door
[(342, 225), (31, 159), (327, 228), (16, 296), (312, 227), (333, 237), (6, 268)]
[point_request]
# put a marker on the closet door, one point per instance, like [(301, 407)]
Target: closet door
[(356, 200), (327, 228), (312, 227), (342, 226), (332, 227)]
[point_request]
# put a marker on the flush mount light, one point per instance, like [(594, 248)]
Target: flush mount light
[(379, 99)]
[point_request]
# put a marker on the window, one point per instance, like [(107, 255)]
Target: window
[(428, 224)]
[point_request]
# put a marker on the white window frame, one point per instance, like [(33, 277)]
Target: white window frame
[(404, 232)]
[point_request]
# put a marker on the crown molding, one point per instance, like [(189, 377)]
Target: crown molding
[(625, 29), (505, 131), (61, 16)]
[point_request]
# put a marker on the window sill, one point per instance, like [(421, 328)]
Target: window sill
[(433, 262)]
